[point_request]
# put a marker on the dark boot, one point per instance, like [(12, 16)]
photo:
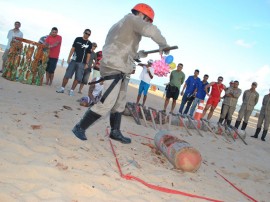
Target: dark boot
[(229, 122), (264, 134), (115, 121), (237, 123), (88, 119), (258, 130), (220, 120), (244, 125)]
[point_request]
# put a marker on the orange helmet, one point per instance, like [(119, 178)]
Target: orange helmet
[(146, 10)]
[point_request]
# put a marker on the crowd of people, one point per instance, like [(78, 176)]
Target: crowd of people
[(111, 76)]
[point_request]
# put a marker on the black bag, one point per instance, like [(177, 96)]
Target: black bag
[(190, 97), (173, 89)]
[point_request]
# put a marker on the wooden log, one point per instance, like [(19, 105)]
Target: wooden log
[(179, 152)]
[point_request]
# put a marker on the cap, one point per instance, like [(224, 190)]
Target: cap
[(150, 61), (231, 81), (254, 83)]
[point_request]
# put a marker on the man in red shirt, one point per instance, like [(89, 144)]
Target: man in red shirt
[(214, 97), (53, 41)]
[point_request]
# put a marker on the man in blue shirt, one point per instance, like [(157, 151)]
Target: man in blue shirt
[(200, 94), (190, 86)]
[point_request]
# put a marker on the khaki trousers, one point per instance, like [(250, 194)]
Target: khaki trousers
[(115, 101), (243, 112), (263, 118), (229, 110)]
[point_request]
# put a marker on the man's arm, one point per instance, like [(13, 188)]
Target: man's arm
[(87, 60), (150, 73), (257, 98), (207, 87), (244, 96), (70, 54), (91, 89), (184, 87), (183, 79)]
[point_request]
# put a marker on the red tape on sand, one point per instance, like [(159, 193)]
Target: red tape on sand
[(237, 188), (151, 186)]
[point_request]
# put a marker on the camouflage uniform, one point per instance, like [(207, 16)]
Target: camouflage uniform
[(230, 102), (264, 113), (250, 99)]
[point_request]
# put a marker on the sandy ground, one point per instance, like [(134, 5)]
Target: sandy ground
[(41, 160)]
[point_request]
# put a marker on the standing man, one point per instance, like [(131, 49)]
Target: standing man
[(91, 64), (231, 84), (80, 53), (16, 32), (177, 78), (250, 99), (53, 41), (146, 75), (263, 117), (200, 94), (230, 101), (190, 86), (119, 52), (214, 97)]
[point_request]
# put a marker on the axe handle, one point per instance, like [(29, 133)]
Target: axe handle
[(165, 49)]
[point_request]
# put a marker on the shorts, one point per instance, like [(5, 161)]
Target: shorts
[(172, 92), (86, 75), (213, 102), (77, 68), (143, 88), (51, 65)]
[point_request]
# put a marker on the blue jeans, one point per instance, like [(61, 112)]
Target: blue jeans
[(184, 102), (196, 102)]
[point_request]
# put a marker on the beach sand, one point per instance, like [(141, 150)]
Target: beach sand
[(41, 160)]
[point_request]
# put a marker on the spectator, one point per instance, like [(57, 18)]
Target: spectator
[(230, 102), (214, 97), (91, 64), (250, 99), (80, 53), (16, 32), (53, 41), (189, 88), (177, 78), (145, 76), (264, 117), (200, 94)]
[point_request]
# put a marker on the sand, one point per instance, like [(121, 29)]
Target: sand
[(41, 160)]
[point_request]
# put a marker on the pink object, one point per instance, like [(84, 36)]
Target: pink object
[(161, 68)]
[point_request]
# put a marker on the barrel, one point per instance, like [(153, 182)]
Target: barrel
[(179, 152)]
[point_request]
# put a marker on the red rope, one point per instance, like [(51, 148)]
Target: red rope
[(151, 186), (139, 135), (237, 188)]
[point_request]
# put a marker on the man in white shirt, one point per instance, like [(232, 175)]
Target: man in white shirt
[(146, 76), (11, 35)]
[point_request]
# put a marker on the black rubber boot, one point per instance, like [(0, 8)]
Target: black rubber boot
[(88, 119), (244, 125), (115, 121), (229, 122), (237, 124), (220, 120), (264, 134), (258, 130)]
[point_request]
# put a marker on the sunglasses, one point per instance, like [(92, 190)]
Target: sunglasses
[(220, 79), (87, 33)]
